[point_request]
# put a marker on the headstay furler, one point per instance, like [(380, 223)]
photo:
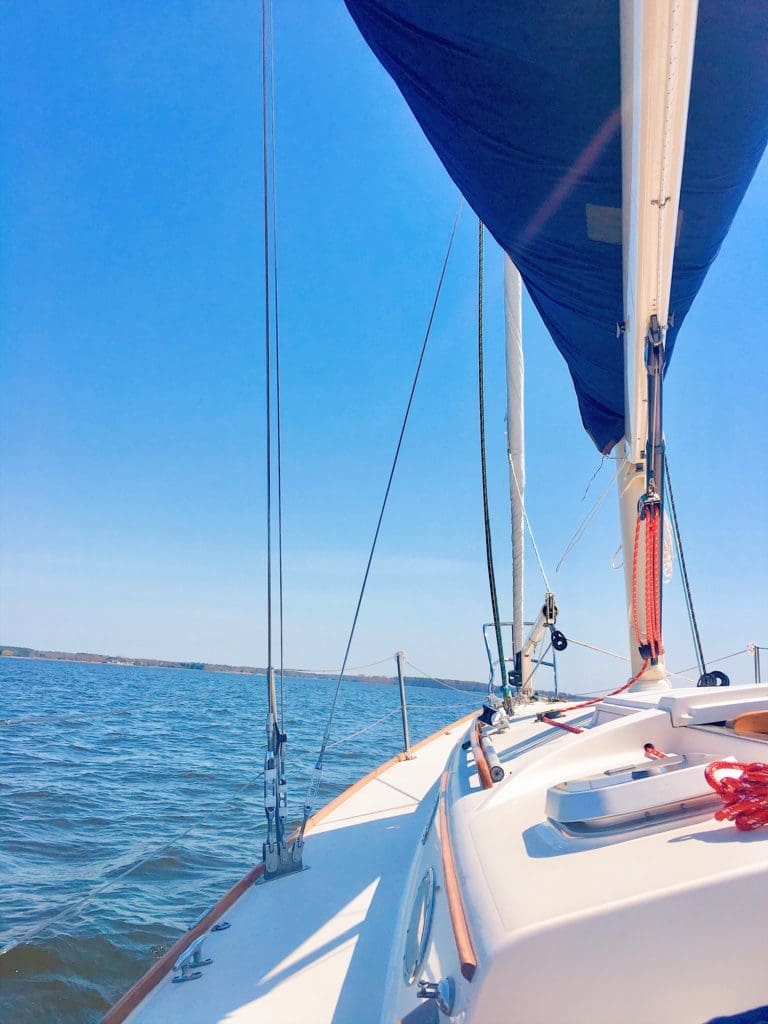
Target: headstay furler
[(281, 854)]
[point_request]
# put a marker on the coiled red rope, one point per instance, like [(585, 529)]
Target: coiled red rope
[(652, 636), (745, 797)]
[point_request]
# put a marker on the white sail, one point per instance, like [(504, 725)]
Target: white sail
[(515, 437)]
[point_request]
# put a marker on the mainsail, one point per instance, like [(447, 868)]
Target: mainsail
[(522, 103)]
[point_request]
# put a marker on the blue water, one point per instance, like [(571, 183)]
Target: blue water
[(103, 763)]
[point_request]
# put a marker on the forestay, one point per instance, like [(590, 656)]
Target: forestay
[(521, 102)]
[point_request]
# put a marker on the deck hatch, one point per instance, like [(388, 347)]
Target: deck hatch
[(631, 795)]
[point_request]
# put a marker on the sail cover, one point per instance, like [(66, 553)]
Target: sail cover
[(521, 101)]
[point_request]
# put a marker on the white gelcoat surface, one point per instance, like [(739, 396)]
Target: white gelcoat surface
[(661, 922), (313, 948)]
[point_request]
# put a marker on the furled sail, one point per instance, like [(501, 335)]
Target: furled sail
[(521, 101), (513, 323)]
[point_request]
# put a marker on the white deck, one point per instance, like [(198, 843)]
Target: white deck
[(660, 920), (312, 948)]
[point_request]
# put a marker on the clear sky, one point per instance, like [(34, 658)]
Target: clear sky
[(132, 377)]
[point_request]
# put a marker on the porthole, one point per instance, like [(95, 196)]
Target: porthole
[(419, 927)]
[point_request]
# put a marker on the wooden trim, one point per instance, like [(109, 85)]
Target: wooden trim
[(141, 989), (481, 762), (464, 947), (128, 1003), (351, 790), (751, 721)]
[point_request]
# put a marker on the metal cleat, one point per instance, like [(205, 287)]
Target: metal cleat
[(443, 992), (188, 964)]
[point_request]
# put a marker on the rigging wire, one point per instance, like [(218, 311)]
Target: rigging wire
[(535, 546), (623, 657), (593, 477), (684, 572), (315, 784), (278, 416), (586, 521), (483, 466), (539, 663), (267, 313)]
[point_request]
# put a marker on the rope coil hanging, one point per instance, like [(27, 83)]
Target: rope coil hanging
[(648, 640)]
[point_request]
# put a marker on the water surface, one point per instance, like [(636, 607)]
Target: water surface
[(105, 764)]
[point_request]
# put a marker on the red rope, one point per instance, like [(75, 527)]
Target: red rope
[(652, 611), (561, 725), (652, 597), (649, 545), (746, 797), (613, 693), (656, 578), (589, 703), (650, 751), (635, 612), (652, 585)]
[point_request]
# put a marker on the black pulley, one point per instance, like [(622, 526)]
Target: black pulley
[(490, 715), (559, 640), (716, 678)]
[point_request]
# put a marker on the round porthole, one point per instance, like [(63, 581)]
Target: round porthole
[(419, 927)]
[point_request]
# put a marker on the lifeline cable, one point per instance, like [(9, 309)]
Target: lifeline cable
[(725, 657), (315, 784), (435, 679), (483, 468)]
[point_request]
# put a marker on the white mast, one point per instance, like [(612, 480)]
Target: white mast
[(657, 43), (515, 441)]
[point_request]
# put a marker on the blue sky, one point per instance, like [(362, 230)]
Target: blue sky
[(132, 413)]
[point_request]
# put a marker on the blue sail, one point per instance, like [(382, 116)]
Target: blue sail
[(521, 102)]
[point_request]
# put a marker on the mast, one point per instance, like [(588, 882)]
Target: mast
[(524, 648), (513, 320), (657, 43)]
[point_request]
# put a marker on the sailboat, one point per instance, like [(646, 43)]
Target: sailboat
[(597, 860)]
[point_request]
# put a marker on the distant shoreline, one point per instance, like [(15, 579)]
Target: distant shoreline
[(82, 657)]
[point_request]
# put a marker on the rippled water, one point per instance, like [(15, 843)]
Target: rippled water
[(102, 764)]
